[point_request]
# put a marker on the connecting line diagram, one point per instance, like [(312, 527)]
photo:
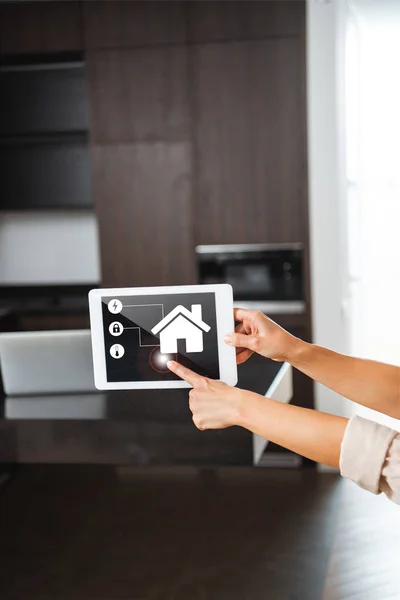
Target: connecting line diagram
[(156, 320)]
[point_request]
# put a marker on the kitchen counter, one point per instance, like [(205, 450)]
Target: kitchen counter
[(138, 427)]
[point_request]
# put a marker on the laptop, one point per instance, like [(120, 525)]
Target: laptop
[(46, 362)]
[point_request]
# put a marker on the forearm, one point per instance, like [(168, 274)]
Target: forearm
[(372, 384), (312, 434)]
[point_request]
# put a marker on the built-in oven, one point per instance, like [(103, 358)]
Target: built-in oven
[(268, 277)]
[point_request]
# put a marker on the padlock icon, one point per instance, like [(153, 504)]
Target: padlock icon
[(115, 328)]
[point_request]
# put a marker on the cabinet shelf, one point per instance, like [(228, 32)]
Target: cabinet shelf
[(44, 134), (41, 62)]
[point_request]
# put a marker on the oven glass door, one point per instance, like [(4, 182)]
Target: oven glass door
[(258, 276)]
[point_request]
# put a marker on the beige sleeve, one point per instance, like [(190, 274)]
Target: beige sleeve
[(370, 456)]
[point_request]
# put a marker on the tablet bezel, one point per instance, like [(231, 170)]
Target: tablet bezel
[(225, 324)]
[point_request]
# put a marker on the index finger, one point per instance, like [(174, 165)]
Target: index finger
[(184, 373)]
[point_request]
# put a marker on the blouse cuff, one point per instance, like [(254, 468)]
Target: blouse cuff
[(363, 452)]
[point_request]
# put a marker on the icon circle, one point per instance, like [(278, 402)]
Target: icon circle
[(116, 328), (117, 351), (115, 306)]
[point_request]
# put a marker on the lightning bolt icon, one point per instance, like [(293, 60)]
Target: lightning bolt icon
[(115, 305)]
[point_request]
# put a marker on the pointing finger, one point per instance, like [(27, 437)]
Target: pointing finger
[(184, 373)]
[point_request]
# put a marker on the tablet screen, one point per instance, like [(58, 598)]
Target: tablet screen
[(141, 333)]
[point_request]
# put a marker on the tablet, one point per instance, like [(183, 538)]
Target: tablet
[(135, 331)]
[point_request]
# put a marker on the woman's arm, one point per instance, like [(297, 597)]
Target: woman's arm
[(367, 453), (367, 382), (372, 384), (312, 434), (215, 405)]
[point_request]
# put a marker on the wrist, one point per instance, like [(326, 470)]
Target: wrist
[(296, 350), (246, 406)]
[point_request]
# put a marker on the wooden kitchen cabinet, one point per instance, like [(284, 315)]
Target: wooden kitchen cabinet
[(249, 142), (139, 95), (220, 84), (140, 23), (249, 20), (142, 165), (143, 201), (129, 24), (40, 27)]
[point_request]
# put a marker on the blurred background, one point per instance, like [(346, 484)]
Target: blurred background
[(163, 142)]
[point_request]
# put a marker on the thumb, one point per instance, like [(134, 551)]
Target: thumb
[(241, 340)]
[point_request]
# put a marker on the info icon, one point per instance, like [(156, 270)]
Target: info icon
[(116, 328)]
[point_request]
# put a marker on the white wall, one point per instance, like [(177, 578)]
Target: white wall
[(373, 131), (49, 248), (325, 94)]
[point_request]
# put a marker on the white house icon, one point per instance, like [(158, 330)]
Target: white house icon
[(181, 324)]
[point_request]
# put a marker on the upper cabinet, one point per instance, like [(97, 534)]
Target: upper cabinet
[(249, 142), (139, 95), (143, 202), (40, 27), (223, 82), (126, 24), (141, 23), (233, 21)]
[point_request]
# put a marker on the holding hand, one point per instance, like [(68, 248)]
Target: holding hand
[(257, 333), (216, 405)]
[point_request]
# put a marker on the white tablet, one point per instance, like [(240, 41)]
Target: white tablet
[(135, 331)]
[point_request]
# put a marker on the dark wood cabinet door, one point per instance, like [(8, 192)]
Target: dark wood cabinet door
[(249, 146), (40, 27), (249, 20), (139, 95), (128, 24), (142, 194)]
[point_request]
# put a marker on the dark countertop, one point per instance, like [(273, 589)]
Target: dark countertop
[(124, 427)]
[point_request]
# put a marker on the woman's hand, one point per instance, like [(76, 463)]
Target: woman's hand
[(214, 404), (257, 333)]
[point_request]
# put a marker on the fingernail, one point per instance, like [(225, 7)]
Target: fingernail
[(170, 363), (228, 339)]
